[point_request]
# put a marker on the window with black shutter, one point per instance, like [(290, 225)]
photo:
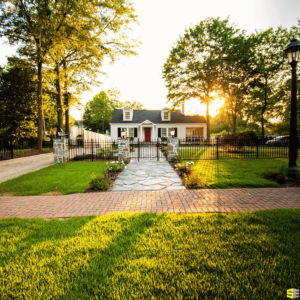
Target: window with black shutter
[(159, 132), (175, 135), (119, 132), (135, 132)]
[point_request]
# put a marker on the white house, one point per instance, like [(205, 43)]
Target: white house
[(149, 125)]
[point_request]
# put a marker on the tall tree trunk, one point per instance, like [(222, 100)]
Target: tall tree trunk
[(66, 98), (234, 122), (207, 121), (264, 107), (39, 145), (60, 120)]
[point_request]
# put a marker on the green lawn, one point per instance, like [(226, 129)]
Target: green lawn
[(64, 178), (248, 255), (211, 153), (237, 173)]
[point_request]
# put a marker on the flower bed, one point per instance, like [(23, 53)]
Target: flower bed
[(284, 177), (190, 179), (106, 182)]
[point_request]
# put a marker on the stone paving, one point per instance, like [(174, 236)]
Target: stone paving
[(148, 176), (164, 201)]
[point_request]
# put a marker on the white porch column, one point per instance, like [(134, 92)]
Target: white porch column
[(141, 133)]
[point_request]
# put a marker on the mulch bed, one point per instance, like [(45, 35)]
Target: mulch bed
[(289, 183), (114, 176), (31, 152), (179, 173)]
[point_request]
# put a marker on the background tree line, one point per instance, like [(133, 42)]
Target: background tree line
[(61, 49), (215, 59)]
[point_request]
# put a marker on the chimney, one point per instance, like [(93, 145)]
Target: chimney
[(182, 108)]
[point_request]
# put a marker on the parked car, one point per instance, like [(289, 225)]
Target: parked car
[(281, 141)]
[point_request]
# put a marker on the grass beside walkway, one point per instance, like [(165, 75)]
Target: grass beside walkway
[(64, 178), (237, 173), (246, 255)]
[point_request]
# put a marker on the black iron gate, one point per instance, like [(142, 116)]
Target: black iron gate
[(148, 150)]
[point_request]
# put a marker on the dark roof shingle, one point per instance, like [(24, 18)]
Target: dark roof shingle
[(154, 116)]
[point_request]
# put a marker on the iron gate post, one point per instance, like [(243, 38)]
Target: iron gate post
[(157, 149), (256, 147), (138, 149)]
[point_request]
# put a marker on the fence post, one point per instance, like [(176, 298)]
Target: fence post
[(92, 150), (138, 149), (11, 147), (257, 147), (217, 147), (157, 149)]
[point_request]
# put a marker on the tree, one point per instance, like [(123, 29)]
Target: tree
[(98, 112), (269, 66), (42, 25), (193, 66), (134, 105), (18, 105)]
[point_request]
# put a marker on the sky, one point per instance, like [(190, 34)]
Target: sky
[(161, 22)]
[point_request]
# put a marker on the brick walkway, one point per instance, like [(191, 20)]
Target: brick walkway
[(178, 201)]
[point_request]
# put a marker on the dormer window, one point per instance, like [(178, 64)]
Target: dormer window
[(165, 114), (127, 114)]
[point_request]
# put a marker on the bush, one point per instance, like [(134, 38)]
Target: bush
[(280, 179), (126, 161), (164, 150), (193, 181), (236, 141), (175, 158), (116, 166), (101, 183), (180, 167), (293, 174), (100, 153)]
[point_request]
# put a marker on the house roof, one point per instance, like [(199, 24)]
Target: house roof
[(77, 123), (154, 116)]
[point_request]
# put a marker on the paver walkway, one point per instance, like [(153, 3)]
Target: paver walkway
[(16, 167), (178, 201), (148, 176)]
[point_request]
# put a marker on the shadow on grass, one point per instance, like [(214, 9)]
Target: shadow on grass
[(39, 230), (90, 281)]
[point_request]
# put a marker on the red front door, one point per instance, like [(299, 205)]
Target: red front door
[(147, 135)]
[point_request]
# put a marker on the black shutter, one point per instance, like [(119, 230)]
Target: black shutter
[(175, 135), (135, 132), (119, 132), (159, 132)]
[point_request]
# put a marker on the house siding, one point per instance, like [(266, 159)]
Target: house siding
[(181, 129)]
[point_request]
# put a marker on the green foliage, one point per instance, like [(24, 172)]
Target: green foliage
[(116, 166), (77, 35), (175, 158), (160, 256), (134, 105), (126, 161), (101, 183), (193, 181), (64, 178), (18, 101)]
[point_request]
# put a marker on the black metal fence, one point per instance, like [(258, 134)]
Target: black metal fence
[(92, 150), (232, 148), (108, 150), (11, 145), (213, 149)]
